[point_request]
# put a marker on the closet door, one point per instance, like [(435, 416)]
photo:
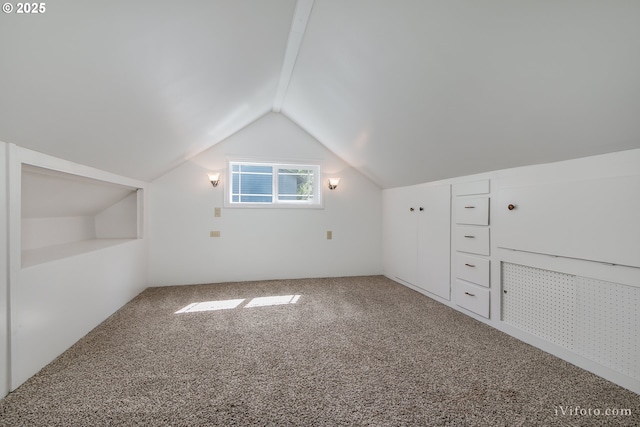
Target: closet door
[(417, 237), (400, 233), (434, 240)]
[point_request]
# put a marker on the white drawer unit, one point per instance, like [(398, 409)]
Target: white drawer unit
[(472, 210), (470, 236), (474, 240), (472, 269), (472, 298)]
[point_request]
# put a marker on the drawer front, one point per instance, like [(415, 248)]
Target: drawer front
[(472, 239), (472, 297), (472, 269), (473, 211), (474, 187)]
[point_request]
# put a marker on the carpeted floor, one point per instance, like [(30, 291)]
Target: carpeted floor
[(348, 351)]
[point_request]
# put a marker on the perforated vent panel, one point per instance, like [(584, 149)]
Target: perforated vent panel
[(598, 320), (540, 302), (608, 324)]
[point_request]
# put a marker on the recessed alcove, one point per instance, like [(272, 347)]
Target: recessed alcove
[(63, 214)]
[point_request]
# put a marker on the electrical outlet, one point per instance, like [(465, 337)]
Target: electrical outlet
[(216, 212), (329, 235), (214, 234)]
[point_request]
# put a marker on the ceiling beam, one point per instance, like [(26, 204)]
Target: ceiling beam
[(298, 27)]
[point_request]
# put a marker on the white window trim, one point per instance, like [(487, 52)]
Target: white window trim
[(317, 203)]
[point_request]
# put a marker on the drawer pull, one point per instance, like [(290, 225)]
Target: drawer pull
[(470, 237), (411, 209), (469, 265), (511, 207), (469, 207), (470, 294)]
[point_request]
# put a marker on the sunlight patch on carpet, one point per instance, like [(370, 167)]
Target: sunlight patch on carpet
[(211, 305), (235, 303), (279, 300)]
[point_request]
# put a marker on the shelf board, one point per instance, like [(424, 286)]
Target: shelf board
[(52, 253)]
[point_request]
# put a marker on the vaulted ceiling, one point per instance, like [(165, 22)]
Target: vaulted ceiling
[(405, 91)]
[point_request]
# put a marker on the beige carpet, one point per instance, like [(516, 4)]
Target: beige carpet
[(345, 351)]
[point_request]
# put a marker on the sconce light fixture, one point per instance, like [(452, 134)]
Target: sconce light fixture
[(214, 177), (333, 183)]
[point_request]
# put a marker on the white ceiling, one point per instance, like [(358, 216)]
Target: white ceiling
[(137, 87), (405, 91)]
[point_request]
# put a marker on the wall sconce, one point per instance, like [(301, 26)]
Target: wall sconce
[(333, 183), (214, 177)]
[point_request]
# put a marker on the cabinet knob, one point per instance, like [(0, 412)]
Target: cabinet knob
[(411, 209), (421, 208), (511, 207)]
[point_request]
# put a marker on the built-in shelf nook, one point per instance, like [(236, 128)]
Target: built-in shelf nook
[(63, 214)]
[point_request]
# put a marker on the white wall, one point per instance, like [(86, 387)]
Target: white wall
[(4, 289), (56, 302), (262, 243), (43, 232), (119, 220)]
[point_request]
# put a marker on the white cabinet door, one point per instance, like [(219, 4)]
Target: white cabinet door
[(416, 235), (434, 240), (595, 220), (400, 233)]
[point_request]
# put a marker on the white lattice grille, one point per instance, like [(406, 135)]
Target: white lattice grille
[(596, 319), (540, 302), (608, 324)]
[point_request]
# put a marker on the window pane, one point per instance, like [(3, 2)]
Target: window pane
[(251, 184), (256, 169), (257, 184), (256, 199), (235, 184), (295, 184), (254, 183), (287, 184)]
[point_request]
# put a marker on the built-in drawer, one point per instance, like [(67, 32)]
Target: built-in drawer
[(472, 269), (473, 187), (472, 298), (473, 211), (472, 239)]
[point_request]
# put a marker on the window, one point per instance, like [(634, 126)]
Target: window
[(273, 184)]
